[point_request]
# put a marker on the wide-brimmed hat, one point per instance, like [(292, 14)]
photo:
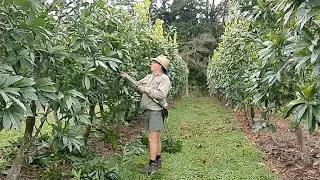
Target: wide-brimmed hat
[(162, 60)]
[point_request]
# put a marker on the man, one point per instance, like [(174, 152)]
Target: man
[(155, 85)]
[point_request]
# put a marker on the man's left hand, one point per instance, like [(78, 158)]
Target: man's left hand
[(142, 89)]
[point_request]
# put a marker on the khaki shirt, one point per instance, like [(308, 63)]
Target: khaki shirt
[(157, 87)]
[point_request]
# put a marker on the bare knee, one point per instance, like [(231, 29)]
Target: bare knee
[(153, 137)]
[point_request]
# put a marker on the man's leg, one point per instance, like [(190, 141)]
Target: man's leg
[(153, 145), (154, 124), (158, 157), (150, 168), (159, 144)]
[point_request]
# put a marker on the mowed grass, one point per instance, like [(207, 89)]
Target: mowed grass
[(14, 134), (213, 147)]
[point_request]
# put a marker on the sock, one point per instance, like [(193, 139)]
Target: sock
[(158, 157), (152, 162)]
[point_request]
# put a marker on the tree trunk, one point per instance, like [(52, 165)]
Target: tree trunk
[(187, 87), (92, 114), (152, 7), (31, 120), (274, 140), (18, 162), (101, 109), (302, 145), (208, 8), (213, 18), (252, 114), (245, 113)]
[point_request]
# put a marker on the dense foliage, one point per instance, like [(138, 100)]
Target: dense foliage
[(269, 56), (63, 59)]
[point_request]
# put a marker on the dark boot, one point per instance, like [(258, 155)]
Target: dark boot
[(149, 169), (158, 164)]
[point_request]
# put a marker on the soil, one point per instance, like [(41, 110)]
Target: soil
[(128, 132), (280, 150)]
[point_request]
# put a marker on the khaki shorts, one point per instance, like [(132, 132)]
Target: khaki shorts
[(153, 120)]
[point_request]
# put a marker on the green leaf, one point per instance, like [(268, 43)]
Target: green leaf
[(11, 80), (101, 81), (86, 82), (288, 14), (69, 102), (315, 55), (18, 102), (70, 147), (76, 105), (65, 140), (302, 62), (30, 94), (83, 119), (38, 22), (102, 64), (55, 49), (114, 60), (3, 78), (49, 89), (299, 113), (291, 107), (14, 91), (25, 82), (4, 96), (306, 33), (60, 95), (120, 54), (77, 94), (40, 82), (42, 100), (6, 122), (313, 3), (303, 15), (308, 119), (51, 96), (309, 91), (10, 121), (113, 65)]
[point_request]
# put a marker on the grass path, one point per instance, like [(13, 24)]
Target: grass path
[(213, 147)]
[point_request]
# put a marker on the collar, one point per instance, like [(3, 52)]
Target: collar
[(156, 74)]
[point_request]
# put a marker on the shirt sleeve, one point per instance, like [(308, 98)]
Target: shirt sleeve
[(132, 81), (162, 91), (137, 83), (144, 80)]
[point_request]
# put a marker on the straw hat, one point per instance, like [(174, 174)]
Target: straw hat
[(162, 60)]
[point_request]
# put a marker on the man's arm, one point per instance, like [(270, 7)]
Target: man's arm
[(133, 81), (143, 80)]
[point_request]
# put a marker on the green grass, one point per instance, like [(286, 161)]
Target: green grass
[(14, 134), (213, 147)]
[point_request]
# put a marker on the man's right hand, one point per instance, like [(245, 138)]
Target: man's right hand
[(124, 74)]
